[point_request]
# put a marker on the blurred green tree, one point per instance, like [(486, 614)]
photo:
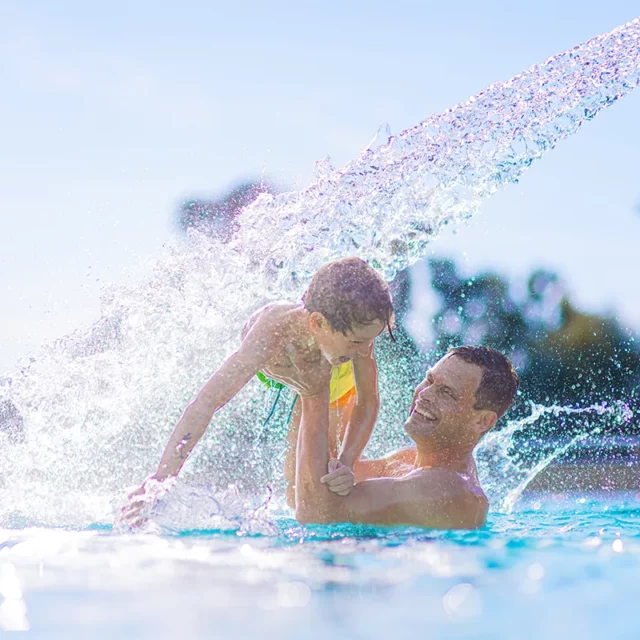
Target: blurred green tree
[(563, 355)]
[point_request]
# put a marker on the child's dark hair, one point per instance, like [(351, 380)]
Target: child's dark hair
[(349, 292)]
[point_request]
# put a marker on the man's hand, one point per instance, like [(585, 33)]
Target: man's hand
[(340, 478)]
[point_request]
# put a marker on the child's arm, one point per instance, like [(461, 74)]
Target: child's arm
[(255, 352), (223, 385), (365, 410)]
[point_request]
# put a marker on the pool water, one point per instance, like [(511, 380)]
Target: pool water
[(556, 566)]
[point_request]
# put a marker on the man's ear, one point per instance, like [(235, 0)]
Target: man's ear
[(485, 421)]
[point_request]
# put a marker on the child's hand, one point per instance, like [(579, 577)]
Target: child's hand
[(340, 478), (141, 502), (131, 514)]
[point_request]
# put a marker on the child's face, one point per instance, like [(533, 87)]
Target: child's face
[(338, 348)]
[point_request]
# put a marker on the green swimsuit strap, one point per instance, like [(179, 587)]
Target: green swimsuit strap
[(278, 387), (268, 382)]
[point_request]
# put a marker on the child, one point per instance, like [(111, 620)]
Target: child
[(345, 308)]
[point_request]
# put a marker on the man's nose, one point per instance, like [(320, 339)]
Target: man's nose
[(424, 393)]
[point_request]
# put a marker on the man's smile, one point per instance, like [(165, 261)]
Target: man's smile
[(425, 412)]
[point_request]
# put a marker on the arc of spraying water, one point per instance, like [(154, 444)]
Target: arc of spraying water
[(395, 197)]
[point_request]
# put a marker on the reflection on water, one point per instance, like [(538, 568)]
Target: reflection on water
[(521, 575)]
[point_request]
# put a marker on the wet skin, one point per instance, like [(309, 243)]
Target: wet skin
[(433, 484)]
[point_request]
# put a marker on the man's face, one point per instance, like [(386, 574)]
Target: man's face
[(338, 348), (442, 407)]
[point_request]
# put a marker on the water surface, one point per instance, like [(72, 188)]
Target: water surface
[(556, 566)]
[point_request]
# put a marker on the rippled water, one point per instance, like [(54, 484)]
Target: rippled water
[(555, 567)]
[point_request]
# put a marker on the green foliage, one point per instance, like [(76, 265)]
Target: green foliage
[(562, 355)]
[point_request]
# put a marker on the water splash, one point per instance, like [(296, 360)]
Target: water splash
[(396, 196), (91, 412), (507, 463)]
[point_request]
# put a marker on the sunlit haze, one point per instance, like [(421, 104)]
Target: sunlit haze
[(112, 114)]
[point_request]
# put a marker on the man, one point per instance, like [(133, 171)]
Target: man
[(433, 484)]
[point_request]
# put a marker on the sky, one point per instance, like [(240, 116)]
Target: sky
[(112, 113)]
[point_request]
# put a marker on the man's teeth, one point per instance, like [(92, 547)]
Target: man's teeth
[(425, 413)]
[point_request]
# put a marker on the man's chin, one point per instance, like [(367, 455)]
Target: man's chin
[(416, 426)]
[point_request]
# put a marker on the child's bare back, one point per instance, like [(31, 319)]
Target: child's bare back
[(296, 360)]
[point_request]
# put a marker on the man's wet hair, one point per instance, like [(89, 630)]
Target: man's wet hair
[(499, 382), (348, 292)]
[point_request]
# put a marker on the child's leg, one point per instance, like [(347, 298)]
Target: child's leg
[(290, 458), (338, 420)]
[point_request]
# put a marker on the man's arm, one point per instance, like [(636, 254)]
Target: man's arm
[(365, 410), (312, 458), (426, 497), (384, 467)]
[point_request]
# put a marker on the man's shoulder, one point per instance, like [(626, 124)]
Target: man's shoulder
[(454, 481), (400, 462), (437, 498), (441, 475), (457, 491)]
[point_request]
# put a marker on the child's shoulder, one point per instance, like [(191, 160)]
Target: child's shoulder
[(271, 316), (276, 311)]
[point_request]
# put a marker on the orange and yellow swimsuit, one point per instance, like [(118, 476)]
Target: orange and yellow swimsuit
[(342, 385), (341, 388)]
